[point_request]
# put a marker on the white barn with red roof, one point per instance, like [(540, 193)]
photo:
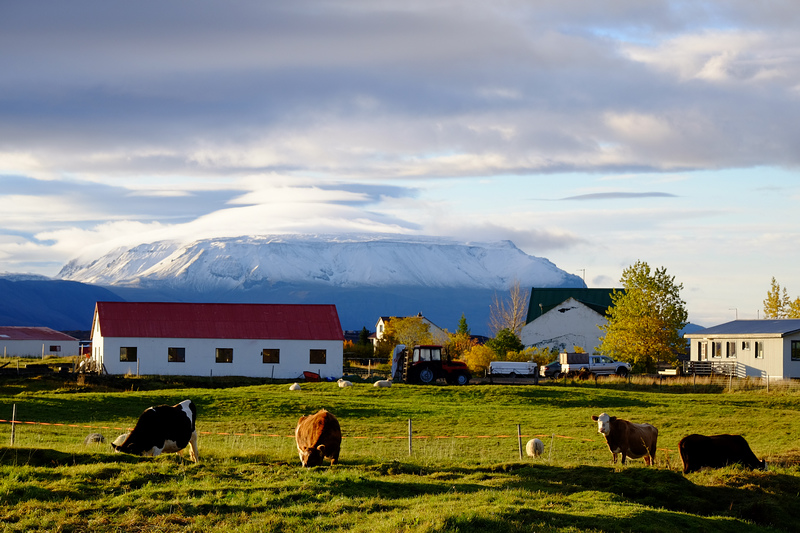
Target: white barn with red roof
[(22, 341), (278, 341)]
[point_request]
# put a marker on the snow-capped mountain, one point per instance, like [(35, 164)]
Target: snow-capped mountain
[(364, 276), (243, 263)]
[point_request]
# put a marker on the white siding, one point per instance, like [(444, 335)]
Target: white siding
[(200, 357), (776, 363), (565, 326), (34, 348)]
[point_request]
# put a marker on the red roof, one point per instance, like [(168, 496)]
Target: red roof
[(218, 321), (18, 333)]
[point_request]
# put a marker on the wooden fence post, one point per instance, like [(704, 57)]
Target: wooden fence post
[(13, 423), (519, 441), (409, 436)]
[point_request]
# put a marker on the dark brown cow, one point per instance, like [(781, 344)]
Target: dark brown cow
[(318, 436), (716, 451), (629, 439)]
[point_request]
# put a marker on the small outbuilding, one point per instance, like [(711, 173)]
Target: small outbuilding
[(212, 339), (758, 348), (21, 341)]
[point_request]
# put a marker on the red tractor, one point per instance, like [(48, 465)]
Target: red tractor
[(426, 365)]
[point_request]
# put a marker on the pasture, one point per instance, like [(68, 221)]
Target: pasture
[(463, 474)]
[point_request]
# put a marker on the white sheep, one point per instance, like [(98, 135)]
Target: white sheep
[(294, 386), (534, 448), (382, 383), (344, 383)]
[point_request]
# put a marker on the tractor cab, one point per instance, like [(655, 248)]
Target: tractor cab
[(427, 363)]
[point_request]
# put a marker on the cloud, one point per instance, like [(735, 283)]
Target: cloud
[(620, 196)]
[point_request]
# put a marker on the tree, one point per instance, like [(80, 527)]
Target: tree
[(410, 330), (478, 358), (794, 309), (463, 328), (777, 304), (505, 341), (540, 356), (509, 313), (363, 336), (645, 320)]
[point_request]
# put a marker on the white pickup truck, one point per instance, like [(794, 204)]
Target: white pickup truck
[(574, 363), (514, 369)]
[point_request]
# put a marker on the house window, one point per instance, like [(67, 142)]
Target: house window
[(176, 355), (759, 350), (317, 357), (730, 350), (55, 348), (795, 350), (127, 354), (745, 345), (224, 355), (271, 355), (716, 350)]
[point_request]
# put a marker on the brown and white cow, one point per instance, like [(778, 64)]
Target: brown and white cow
[(318, 436), (162, 429), (716, 451), (626, 438)]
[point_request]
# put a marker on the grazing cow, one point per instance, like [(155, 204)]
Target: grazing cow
[(344, 383), (629, 439), (716, 451), (318, 436), (294, 386), (534, 448), (162, 429), (382, 383)]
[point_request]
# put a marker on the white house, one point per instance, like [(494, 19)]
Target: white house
[(200, 339), (760, 348), (563, 318), (439, 335), (19, 341)]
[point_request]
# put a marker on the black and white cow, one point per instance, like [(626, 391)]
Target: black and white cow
[(162, 429)]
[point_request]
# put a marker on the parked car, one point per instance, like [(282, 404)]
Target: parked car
[(551, 370)]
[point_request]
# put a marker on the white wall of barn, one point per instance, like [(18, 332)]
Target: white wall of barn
[(35, 348), (200, 357), (565, 326)]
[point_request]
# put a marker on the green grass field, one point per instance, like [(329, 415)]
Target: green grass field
[(464, 472)]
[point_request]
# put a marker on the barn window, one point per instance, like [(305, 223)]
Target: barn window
[(795, 350), (317, 357), (271, 355), (127, 354), (176, 355), (224, 355), (745, 345), (55, 348), (759, 350), (730, 350)]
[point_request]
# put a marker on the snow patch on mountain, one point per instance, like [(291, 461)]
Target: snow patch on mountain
[(243, 263)]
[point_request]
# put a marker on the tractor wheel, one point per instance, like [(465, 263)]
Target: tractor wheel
[(622, 372), (461, 379), (426, 375)]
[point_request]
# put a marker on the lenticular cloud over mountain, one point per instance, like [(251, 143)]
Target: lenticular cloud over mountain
[(247, 263)]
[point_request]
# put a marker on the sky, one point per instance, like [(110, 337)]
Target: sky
[(595, 134)]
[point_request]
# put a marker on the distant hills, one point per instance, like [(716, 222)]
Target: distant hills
[(365, 276)]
